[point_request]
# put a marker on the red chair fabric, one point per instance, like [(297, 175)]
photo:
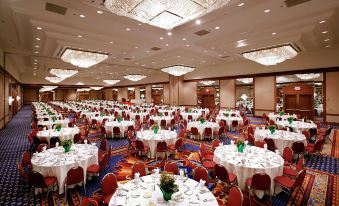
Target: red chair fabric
[(139, 167), (205, 153), (215, 144), (294, 173), (288, 156), (270, 144), (222, 174), (235, 197), (41, 146), (172, 168), (200, 173), (109, 185)]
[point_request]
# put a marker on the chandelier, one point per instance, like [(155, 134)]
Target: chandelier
[(82, 58), (135, 77), (111, 81), (272, 55), (207, 82), (165, 14), (54, 79), (308, 76), (178, 70), (245, 80), (63, 73), (47, 88), (84, 90), (96, 88)]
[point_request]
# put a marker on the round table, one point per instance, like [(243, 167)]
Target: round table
[(275, 116), (230, 112), (229, 119), (297, 126), (49, 117), (101, 118), (55, 162), (150, 139), (64, 133), (157, 119), (123, 126), (145, 191), (49, 124), (90, 114), (201, 127), (255, 159), (281, 138)]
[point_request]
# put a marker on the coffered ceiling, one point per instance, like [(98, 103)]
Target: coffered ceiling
[(30, 32)]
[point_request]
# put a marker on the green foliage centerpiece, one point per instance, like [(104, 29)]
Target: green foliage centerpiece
[(226, 114), (67, 144), (119, 119), (282, 113), (53, 119), (272, 129), (160, 114), (167, 186), (201, 120), (241, 145), (155, 128), (58, 127), (290, 120)]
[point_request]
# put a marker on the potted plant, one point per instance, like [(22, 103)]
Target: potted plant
[(241, 145), (66, 144), (202, 120), (167, 186), (272, 129)]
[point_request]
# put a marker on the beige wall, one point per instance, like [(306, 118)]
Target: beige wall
[(137, 92), (70, 94), (148, 92), (166, 94), (332, 97), (227, 98), (174, 85), (30, 95), (264, 93), (188, 93)]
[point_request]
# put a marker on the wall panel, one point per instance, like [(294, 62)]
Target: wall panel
[(332, 97), (227, 93), (264, 93)]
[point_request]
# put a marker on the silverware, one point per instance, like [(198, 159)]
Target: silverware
[(198, 198)]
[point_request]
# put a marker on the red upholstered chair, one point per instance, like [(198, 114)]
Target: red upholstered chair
[(223, 175), (141, 148), (235, 197), (307, 135), (109, 185), (293, 185), (53, 141), (234, 125), (41, 146), (163, 123), (177, 146), (41, 182), (259, 144), (194, 133), (298, 148), (88, 202), (207, 163), (74, 177), (251, 139), (103, 145), (200, 173), (131, 143), (24, 174), (26, 160), (270, 144), (94, 169), (215, 144), (205, 153), (294, 173), (250, 130), (116, 132), (189, 117), (287, 156), (208, 132), (151, 122), (315, 148), (138, 167), (259, 181), (77, 138), (172, 168), (220, 133), (162, 148)]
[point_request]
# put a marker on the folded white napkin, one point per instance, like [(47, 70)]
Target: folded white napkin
[(202, 183), (136, 175)]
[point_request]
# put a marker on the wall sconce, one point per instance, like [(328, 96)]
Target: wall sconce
[(10, 100), (18, 98)]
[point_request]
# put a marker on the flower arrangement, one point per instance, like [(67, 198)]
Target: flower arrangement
[(226, 114), (272, 129), (290, 120), (67, 143), (190, 111), (58, 127), (119, 119), (201, 120), (160, 114), (168, 186), (155, 128), (241, 145), (53, 119), (282, 113)]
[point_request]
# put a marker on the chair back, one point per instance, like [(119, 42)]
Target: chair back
[(116, 130), (313, 132), (251, 139), (298, 147), (172, 168), (235, 123), (259, 144), (300, 164), (300, 179), (151, 121), (41, 146), (139, 167), (270, 144), (26, 158), (103, 145), (288, 154), (307, 134), (200, 173), (208, 131), (37, 179), (53, 141), (203, 149), (139, 145), (235, 197), (221, 173), (179, 143), (194, 131), (103, 162), (163, 123), (130, 128), (215, 144), (87, 202), (109, 184), (161, 146), (77, 138), (75, 175), (261, 181), (318, 144), (22, 172), (250, 130)]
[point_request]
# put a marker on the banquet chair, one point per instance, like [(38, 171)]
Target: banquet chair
[(177, 146), (95, 169), (251, 139), (40, 182), (234, 125), (287, 156), (270, 144), (130, 128), (215, 144), (131, 143), (77, 138), (189, 118), (307, 135), (220, 133), (209, 165), (88, 202), (137, 117), (200, 173), (194, 133), (259, 181), (24, 174), (313, 134), (298, 148), (235, 197), (141, 148), (138, 167), (205, 153), (250, 130), (293, 173), (171, 167), (26, 160), (327, 134), (207, 132), (53, 141), (162, 148), (116, 132), (163, 123), (259, 144), (75, 176), (41, 146), (293, 185), (103, 145), (224, 176), (315, 148), (108, 187)]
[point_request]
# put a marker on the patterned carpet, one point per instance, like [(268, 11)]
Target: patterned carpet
[(321, 184)]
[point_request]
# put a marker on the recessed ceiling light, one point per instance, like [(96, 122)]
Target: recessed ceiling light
[(38, 39), (328, 46), (241, 4), (324, 32), (327, 40), (36, 46), (82, 16), (187, 45), (166, 44), (35, 60), (111, 42), (100, 12), (217, 27), (79, 36), (178, 56), (128, 29), (169, 33), (148, 51), (136, 47), (203, 61), (274, 33), (267, 11), (38, 28), (198, 21), (323, 21), (161, 37), (139, 24), (184, 39), (35, 63), (34, 68), (220, 55), (36, 52)]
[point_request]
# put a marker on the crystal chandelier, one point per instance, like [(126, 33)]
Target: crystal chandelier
[(82, 58), (245, 80), (63, 73), (135, 77), (207, 83), (308, 76), (111, 81), (165, 14), (178, 70), (84, 90), (54, 79), (272, 55), (47, 88), (96, 88)]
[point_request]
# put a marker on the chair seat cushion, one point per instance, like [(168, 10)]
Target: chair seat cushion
[(249, 181), (93, 168), (171, 147), (232, 177), (284, 181), (50, 180), (287, 163), (209, 164), (290, 172), (107, 199), (309, 148), (209, 157)]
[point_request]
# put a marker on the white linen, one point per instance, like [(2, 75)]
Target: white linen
[(123, 125), (49, 124), (157, 119), (101, 118), (141, 115), (188, 190), (274, 116), (64, 133), (55, 162), (297, 126), (255, 160), (150, 139), (201, 127)]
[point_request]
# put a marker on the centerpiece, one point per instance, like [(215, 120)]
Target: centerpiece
[(58, 127), (290, 120), (272, 129), (201, 120), (119, 119), (160, 114), (226, 114), (241, 145), (282, 113), (167, 186), (53, 119), (67, 143), (155, 128)]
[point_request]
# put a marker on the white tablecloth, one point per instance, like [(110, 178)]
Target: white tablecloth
[(157, 119), (54, 162), (101, 118), (230, 112), (274, 116), (90, 114), (49, 124), (123, 125), (281, 138), (201, 127), (297, 126), (49, 117), (150, 139), (149, 191), (195, 116), (65, 133), (256, 160)]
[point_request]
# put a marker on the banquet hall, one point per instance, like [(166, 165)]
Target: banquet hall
[(169, 102)]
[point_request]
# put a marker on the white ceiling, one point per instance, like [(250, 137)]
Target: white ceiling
[(210, 54)]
